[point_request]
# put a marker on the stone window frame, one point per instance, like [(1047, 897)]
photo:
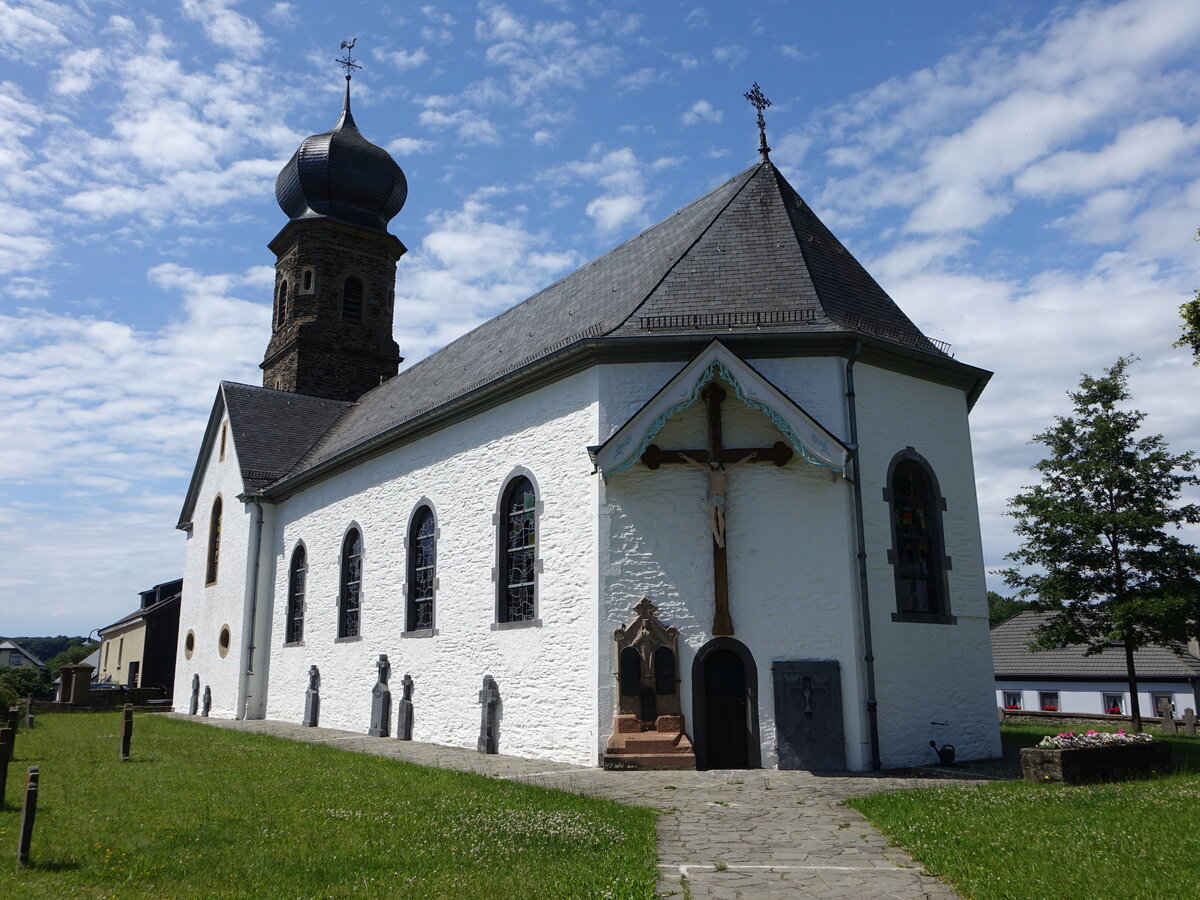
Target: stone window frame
[(942, 616), (212, 555), (224, 641), (362, 309), (308, 280), (1048, 699), (410, 631), (189, 645), (293, 631), (500, 621), (281, 302), (343, 583), (224, 437)]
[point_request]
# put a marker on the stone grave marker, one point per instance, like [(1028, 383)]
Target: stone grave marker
[(207, 708), (1165, 718), (404, 710), (126, 731), (312, 698), (6, 754), (195, 704), (29, 711), (489, 699), (381, 700), (1189, 721), (28, 811)]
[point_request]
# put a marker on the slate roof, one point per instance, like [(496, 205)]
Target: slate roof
[(142, 613), (1012, 658), (273, 429), (749, 256), (12, 645)]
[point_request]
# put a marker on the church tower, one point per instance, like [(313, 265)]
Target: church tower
[(335, 269)]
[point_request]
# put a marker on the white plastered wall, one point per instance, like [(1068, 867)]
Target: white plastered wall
[(789, 544), (205, 609), (926, 673), (546, 674)]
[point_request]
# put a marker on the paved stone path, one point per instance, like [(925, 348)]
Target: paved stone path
[(723, 834)]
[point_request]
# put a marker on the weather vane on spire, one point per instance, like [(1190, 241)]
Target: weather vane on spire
[(348, 62), (759, 101)]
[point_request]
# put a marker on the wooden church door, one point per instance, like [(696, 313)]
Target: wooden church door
[(725, 707)]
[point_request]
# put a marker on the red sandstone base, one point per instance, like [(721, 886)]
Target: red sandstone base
[(661, 744)]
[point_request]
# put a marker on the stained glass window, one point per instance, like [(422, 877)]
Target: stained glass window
[(520, 551), (422, 565), (214, 543), (351, 592), (295, 607), (918, 555)]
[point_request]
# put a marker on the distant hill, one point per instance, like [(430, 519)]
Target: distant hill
[(44, 648)]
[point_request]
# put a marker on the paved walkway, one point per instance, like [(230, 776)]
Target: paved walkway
[(723, 834)]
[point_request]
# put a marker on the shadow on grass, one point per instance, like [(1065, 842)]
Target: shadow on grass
[(52, 866)]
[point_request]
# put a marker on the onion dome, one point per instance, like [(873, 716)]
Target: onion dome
[(341, 175)]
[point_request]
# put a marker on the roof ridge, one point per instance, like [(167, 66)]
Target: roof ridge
[(749, 173)]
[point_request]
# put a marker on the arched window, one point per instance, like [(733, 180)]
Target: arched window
[(917, 554), (214, 543), (352, 300), (518, 533), (281, 303), (422, 567), (294, 627), (350, 595)]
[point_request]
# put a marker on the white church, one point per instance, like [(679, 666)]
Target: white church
[(706, 502)]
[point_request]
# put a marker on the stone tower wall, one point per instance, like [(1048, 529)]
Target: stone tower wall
[(313, 349)]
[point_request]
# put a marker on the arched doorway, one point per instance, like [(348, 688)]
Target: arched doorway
[(725, 706)]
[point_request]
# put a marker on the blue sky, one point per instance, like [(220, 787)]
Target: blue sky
[(1021, 177)]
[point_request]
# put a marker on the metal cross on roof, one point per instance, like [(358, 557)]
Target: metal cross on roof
[(759, 101), (347, 61)]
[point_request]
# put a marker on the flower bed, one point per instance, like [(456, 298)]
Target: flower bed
[(1074, 758)]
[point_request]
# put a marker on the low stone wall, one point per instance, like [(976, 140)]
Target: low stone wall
[(1073, 720), (149, 698), (1092, 764)]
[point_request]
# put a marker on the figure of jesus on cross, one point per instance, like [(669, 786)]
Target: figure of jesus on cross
[(720, 462), (718, 488)]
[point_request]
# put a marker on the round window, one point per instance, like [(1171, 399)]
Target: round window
[(189, 644), (223, 642)]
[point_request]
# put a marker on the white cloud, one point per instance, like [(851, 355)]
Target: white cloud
[(702, 111), (618, 174), (405, 146), (472, 127), (1137, 150), (696, 18), (403, 59), (792, 52), (729, 54), (226, 27)]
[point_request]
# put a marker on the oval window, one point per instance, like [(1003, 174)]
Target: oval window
[(223, 642), (189, 644)]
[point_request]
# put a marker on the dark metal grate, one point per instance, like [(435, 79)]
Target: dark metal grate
[(754, 319)]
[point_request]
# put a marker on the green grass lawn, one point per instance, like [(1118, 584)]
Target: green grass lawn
[(206, 812), (1022, 840)]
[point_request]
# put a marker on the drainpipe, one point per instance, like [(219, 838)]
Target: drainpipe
[(864, 596), (257, 555)]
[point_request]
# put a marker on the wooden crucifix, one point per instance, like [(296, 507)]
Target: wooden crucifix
[(717, 460)]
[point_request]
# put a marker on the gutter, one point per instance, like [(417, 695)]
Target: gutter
[(863, 593), (257, 554)]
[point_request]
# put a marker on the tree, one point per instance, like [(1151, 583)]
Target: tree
[(70, 656), (1190, 313), (24, 680), (1096, 530), (1001, 608)]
